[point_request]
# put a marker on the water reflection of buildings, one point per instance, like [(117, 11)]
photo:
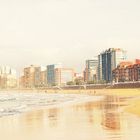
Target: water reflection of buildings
[(34, 119), (78, 122), (111, 114), (111, 120), (39, 120), (53, 116), (91, 109)]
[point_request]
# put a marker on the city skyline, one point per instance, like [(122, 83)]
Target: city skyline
[(48, 32), (43, 67)]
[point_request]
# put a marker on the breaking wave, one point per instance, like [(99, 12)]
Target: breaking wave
[(15, 103)]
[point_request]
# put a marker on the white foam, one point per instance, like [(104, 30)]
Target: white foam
[(13, 103)]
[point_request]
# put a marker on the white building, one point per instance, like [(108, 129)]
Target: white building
[(63, 75), (8, 77)]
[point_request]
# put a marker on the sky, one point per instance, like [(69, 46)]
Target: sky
[(43, 32)]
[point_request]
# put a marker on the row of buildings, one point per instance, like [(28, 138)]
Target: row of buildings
[(100, 69), (112, 66), (52, 75)]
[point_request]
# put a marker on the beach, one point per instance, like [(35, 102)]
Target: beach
[(72, 116)]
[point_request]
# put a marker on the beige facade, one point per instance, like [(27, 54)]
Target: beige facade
[(29, 79), (43, 78), (33, 77)]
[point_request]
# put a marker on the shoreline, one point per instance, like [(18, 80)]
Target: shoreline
[(118, 91), (134, 107)]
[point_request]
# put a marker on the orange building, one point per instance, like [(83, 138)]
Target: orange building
[(127, 71), (121, 73), (134, 72), (31, 77), (137, 61)]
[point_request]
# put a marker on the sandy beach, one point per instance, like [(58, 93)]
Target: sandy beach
[(115, 117)]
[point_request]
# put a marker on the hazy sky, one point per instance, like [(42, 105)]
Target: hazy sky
[(68, 31)]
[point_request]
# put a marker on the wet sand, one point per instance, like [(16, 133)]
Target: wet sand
[(104, 120), (135, 107)]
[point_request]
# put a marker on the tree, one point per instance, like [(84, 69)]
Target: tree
[(70, 83), (79, 81)]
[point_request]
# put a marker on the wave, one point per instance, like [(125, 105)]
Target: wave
[(11, 103)]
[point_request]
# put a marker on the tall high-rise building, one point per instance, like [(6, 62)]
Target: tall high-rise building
[(107, 61), (99, 68), (51, 73), (31, 76), (91, 70)]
